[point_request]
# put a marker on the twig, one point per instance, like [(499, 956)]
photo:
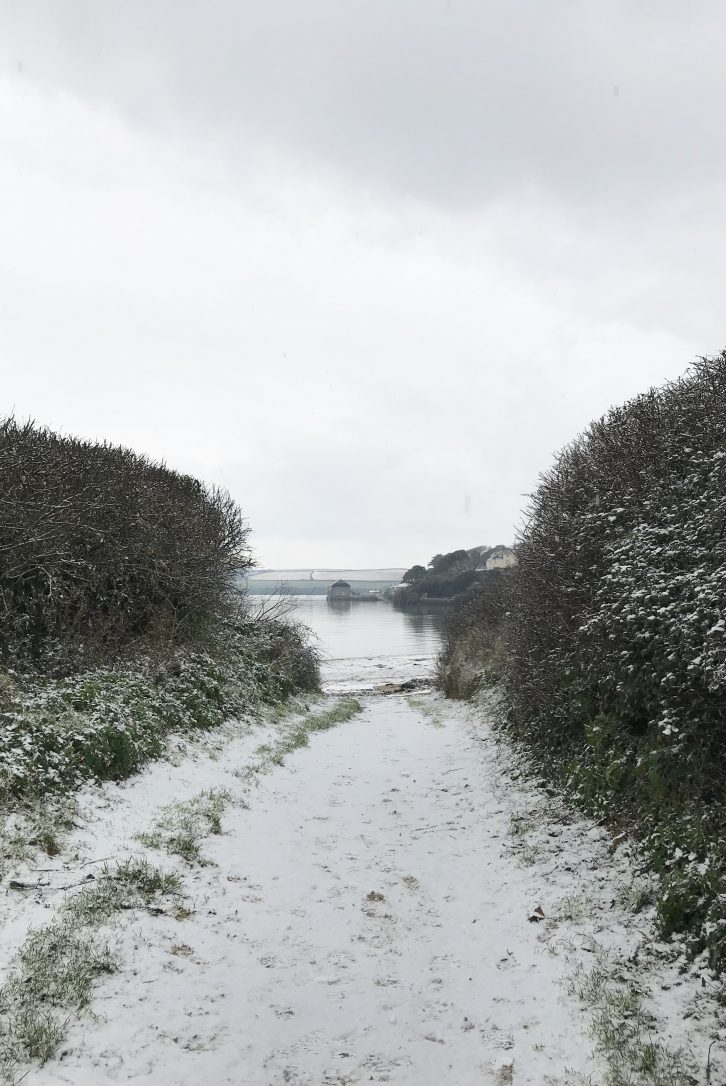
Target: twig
[(38, 887), (86, 863), (100, 860), (708, 1061)]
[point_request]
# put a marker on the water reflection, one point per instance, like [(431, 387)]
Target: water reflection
[(421, 624), (350, 630), (342, 606)]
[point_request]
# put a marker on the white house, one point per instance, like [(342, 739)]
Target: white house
[(501, 558)]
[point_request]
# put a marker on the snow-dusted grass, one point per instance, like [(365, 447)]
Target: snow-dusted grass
[(432, 711), (105, 724), (62, 732), (180, 828), (295, 733), (57, 965), (682, 848), (35, 826), (626, 1033), (102, 724), (623, 1030), (338, 712)]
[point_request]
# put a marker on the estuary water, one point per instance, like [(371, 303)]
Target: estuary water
[(365, 644)]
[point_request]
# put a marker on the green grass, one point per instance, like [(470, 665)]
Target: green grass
[(179, 828), (297, 734), (624, 1032), (52, 978), (521, 825), (574, 908), (35, 826), (644, 788), (639, 895), (294, 734), (343, 710), (432, 711)]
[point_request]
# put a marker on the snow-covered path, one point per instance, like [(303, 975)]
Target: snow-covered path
[(366, 919)]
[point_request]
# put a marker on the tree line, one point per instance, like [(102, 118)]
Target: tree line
[(446, 577)]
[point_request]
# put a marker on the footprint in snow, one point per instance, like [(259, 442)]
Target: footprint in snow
[(496, 1038)]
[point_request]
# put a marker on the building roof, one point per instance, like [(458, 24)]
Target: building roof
[(340, 584), (501, 552)]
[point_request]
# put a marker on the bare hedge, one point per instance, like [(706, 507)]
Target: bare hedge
[(101, 547)]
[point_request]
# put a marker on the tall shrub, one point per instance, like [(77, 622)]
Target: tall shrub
[(616, 636), (101, 547), (619, 603)]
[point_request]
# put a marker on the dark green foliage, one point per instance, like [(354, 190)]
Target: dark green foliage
[(454, 562), (101, 548), (437, 586), (415, 573), (618, 603), (105, 724), (288, 660), (121, 616), (448, 576)]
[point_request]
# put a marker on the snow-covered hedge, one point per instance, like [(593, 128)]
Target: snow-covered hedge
[(620, 595), (121, 616), (616, 635)]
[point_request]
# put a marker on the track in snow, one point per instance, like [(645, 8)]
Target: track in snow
[(364, 921)]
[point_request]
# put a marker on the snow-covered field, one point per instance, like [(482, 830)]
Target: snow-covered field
[(327, 574), (395, 904)]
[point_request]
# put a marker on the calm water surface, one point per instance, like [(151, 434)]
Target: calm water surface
[(366, 643)]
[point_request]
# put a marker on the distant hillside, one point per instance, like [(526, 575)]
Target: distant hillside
[(315, 582), (392, 575)]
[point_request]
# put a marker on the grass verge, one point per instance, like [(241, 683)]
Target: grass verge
[(180, 828), (432, 711), (104, 724), (623, 1030), (295, 734), (53, 976)]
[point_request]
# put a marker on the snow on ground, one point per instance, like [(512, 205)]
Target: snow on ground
[(110, 815), (366, 919), (363, 675)]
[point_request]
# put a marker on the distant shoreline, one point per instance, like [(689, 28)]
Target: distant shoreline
[(383, 575)]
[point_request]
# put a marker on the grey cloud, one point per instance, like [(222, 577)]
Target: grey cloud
[(452, 100), (366, 264)]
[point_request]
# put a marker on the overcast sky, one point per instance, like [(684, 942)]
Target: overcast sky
[(366, 263)]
